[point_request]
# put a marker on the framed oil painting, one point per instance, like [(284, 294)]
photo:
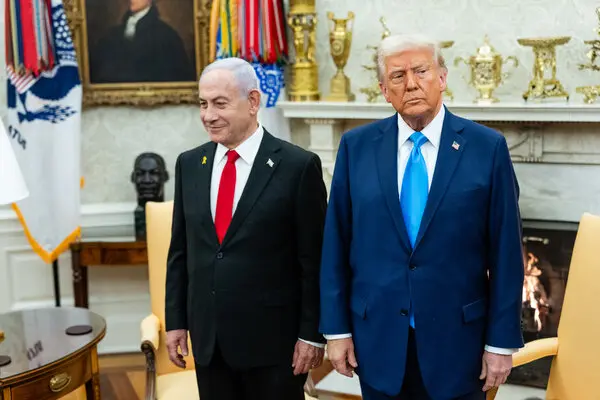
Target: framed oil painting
[(140, 52)]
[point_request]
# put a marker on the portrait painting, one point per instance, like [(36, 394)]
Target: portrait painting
[(140, 51)]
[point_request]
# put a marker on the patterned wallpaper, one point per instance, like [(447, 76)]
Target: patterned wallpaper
[(112, 137)]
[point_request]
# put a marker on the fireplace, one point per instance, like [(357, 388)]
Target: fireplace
[(547, 250)]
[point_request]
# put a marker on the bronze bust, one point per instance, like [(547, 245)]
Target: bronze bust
[(149, 176)]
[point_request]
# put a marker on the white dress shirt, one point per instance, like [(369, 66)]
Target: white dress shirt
[(132, 22), (429, 149), (247, 151)]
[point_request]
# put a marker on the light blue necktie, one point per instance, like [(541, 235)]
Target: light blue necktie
[(413, 196)]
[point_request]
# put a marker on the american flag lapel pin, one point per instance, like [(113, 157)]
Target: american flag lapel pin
[(455, 145), (270, 163)]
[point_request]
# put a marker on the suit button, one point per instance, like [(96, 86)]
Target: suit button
[(212, 292), (219, 255), (413, 267), (404, 312)]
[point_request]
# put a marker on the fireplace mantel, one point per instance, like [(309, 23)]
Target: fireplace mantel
[(497, 112), (536, 132)]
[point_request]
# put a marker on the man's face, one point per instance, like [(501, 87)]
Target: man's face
[(413, 83), (138, 5), (226, 115), (148, 177)]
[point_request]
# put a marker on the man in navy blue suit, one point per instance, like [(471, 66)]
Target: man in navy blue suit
[(422, 267)]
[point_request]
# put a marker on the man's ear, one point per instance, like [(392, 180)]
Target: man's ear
[(254, 99)]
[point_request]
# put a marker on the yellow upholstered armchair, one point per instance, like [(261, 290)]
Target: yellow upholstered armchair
[(164, 381), (576, 365)]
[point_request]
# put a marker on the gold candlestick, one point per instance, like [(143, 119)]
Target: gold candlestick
[(544, 50), (486, 71), (446, 44), (590, 93), (304, 83), (373, 91), (340, 40)]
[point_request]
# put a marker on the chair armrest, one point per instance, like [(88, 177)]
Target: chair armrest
[(535, 350), (150, 328), (532, 351)]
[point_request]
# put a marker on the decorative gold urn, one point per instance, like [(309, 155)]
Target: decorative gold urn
[(340, 40), (304, 82), (544, 50), (486, 71)]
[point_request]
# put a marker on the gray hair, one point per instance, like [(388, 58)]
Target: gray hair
[(244, 74), (399, 43)]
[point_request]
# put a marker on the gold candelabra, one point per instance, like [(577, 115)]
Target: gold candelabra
[(544, 51), (446, 44), (373, 91), (590, 93), (304, 82)]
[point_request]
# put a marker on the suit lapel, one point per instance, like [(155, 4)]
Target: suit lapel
[(203, 182), (260, 174), (386, 157), (452, 146)]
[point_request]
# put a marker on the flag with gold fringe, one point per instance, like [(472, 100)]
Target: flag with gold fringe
[(44, 98), (255, 30)]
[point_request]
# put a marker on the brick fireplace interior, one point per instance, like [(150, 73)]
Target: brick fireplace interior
[(547, 249)]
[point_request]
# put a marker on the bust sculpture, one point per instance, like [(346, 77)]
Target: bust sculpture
[(149, 176)]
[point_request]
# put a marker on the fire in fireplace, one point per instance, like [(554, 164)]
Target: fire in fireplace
[(547, 251)]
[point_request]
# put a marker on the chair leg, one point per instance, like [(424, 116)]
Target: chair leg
[(150, 372), (491, 394), (309, 386)]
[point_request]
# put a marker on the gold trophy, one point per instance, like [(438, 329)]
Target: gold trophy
[(590, 93), (374, 91), (445, 45), (340, 40), (544, 51), (304, 82), (486, 71)]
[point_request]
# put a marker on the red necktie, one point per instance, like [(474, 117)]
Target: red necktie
[(224, 211)]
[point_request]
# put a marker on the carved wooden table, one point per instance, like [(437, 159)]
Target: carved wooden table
[(88, 254), (45, 362)]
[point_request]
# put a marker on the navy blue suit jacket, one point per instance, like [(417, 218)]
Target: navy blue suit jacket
[(464, 277)]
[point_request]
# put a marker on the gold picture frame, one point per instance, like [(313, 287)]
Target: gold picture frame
[(138, 93)]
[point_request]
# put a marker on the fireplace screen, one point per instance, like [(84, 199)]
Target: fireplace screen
[(547, 250)]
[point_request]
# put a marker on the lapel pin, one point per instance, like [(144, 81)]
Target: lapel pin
[(203, 160), (270, 163), (455, 145)]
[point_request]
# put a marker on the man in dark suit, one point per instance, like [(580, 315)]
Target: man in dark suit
[(244, 260), (422, 266), (143, 48)]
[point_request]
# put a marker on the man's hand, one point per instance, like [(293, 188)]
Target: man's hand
[(495, 369), (341, 355), (177, 339), (306, 356)]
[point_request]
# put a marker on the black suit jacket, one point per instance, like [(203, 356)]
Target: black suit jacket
[(257, 292)]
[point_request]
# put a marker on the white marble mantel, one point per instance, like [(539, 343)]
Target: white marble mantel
[(505, 112), (555, 146)]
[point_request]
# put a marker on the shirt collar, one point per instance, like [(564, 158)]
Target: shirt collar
[(134, 18), (247, 150), (433, 131)]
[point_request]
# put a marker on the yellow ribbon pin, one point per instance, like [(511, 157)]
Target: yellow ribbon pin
[(203, 160)]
